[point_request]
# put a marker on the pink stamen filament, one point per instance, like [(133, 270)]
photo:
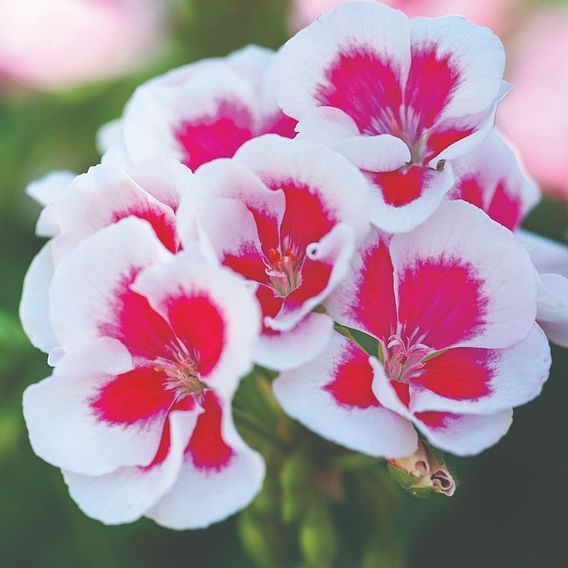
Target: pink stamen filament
[(403, 360), (283, 271), (182, 372)]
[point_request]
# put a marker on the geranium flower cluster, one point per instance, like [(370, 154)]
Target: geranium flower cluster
[(341, 212)]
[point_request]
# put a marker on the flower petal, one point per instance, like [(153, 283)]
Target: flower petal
[(211, 310), (354, 58), (552, 313), (463, 280), (284, 350), (34, 305), (332, 396), (464, 434), (406, 197), (128, 493), (66, 418), (326, 264), (456, 69), (492, 178), (368, 284), (483, 381), (103, 196), (314, 180), (220, 474), (206, 116), (91, 297), (548, 256)]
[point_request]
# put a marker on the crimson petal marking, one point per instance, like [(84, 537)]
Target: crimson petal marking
[(270, 305), (440, 301), (431, 82), (402, 186), (163, 224), (464, 434), (374, 304), (506, 208), (207, 448), (461, 373), (306, 219), (197, 321), (143, 331), (469, 189), (136, 396), (184, 404), (358, 421), (280, 124), (248, 263), (364, 87), (352, 379), (315, 278), (443, 137), (218, 136), (437, 420)]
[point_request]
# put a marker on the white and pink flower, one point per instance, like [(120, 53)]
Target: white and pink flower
[(451, 306), (286, 215), (200, 112), (137, 413), (398, 97), (75, 207), (493, 178)]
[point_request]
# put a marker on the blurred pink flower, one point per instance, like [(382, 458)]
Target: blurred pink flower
[(52, 43), (491, 13), (534, 114)]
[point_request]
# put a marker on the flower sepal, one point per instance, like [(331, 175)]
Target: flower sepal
[(423, 473)]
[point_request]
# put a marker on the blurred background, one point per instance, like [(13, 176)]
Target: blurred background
[(66, 68)]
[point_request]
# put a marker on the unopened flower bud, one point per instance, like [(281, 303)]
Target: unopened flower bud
[(423, 473)]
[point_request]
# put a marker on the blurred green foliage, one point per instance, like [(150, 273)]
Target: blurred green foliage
[(511, 506)]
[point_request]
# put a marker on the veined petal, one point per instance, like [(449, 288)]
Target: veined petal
[(456, 137), (75, 423), (332, 395), (210, 310), (367, 285), (406, 197), (463, 280), (91, 297), (483, 381), (128, 493), (219, 476), (104, 196), (492, 178), (326, 264), (355, 58), (456, 68), (334, 128), (464, 434)]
